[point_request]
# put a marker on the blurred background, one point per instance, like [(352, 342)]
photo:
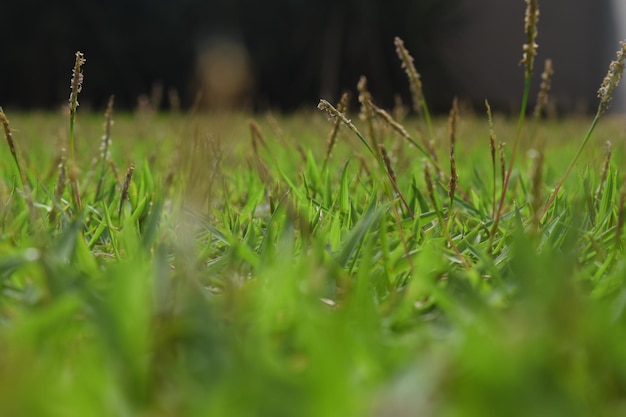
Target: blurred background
[(286, 54)]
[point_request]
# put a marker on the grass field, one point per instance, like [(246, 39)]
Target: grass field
[(221, 265)]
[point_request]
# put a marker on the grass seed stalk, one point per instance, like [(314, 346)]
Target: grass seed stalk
[(528, 59), (76, 86), (12, 148), (605, 94)]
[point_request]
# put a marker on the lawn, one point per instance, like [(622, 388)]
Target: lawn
[(394, 264)]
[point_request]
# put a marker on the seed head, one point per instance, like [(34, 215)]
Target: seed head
[(387, 161), (544, 88), (77, 81), (616, 68), (414, 78), (530, 27), (366, 100), (335, 114), (492, 135)]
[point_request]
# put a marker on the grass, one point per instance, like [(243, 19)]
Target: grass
[(191, 264)]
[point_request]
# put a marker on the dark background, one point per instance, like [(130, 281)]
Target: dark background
[(298, 50), (286, 54)]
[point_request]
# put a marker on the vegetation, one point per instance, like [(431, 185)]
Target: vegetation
[(212, 265)]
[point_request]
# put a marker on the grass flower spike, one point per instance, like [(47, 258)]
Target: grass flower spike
[(528, 59), (544, 89), (335, 114), (616, 68), (415, 85), (76, 84), (605, 93), (530, 26), (415, 82), (9, 137)]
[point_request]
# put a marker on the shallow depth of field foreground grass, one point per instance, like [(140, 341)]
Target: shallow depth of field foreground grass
[(239, 280), (197, 265)]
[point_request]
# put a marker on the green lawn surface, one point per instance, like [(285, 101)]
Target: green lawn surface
[(242, 273)]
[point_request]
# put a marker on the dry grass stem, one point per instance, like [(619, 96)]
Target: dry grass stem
[(502, 161), (528, 59), (366, 100), (605, 93), (125, 187), (493, 151), (105, 143), (12, 148), (452, 126), (387, 161), (415, 83), (430, 186), (342, 106), (605, 171), (492, 135), (388, 119), (544, 89), (392, 178), (335, 114)]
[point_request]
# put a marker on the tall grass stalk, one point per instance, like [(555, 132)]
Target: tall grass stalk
[(125, 188), (528, 59), (366, 101), (415, 84), (342, 107), (12, 148), (335, 114), (603, 174), (605, 94), (492, 149), (105, 145), (544, 89), (452, 126), (76, 86)]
